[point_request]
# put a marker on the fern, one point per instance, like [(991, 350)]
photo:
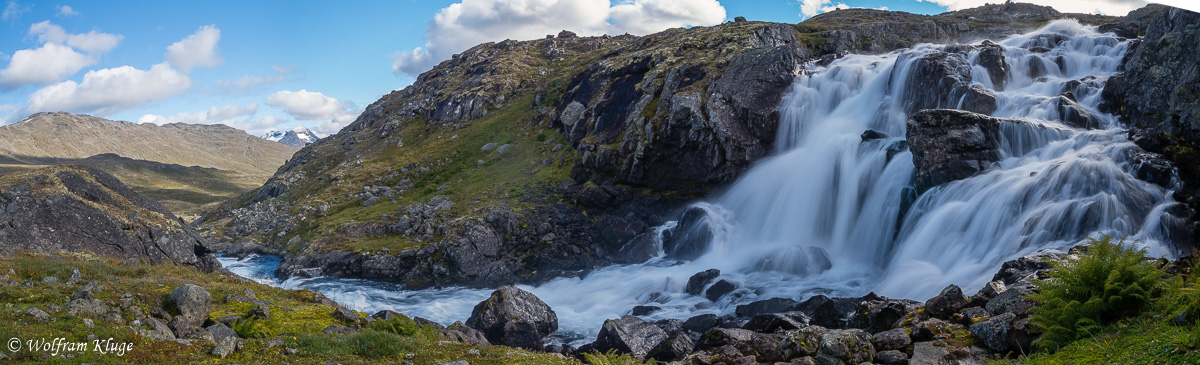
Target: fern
[(612, 358), (1107, 282)]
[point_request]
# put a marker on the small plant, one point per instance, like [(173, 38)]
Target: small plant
[(612, 358), (1107, 282), (541, 137), (404, 326), (250, 328)]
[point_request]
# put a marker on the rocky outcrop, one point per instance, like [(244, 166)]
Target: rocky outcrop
[(943, 80), (950, 145), (514, 317), (1157, 94), (70, 208)]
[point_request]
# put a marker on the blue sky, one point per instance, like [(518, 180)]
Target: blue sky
[(258, 65)]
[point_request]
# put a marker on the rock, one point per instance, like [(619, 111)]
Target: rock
[(876, 316), (459, 332), (972, 315), (950, 145), (702, 323), (641, 248), (75, 277), (192, 303), (944, 305), (941, 80), (387, 315), (261, 311), (158, 331), (503, 149), (521, 333), (455, 362), (338, 329), (845, 347), (771, 323), (87, 322), (225, 347), (743, 342), (220, 331), (891, 357), (773, 305), (272, 344), (893, 339), (1014, 300), (801, 343), (994, 332), (87, 291), (509, 303), (830, 312), (181, 328), (629, 335), (1153, 168), (422, 323), (691, 237), (991, 57), (937, 353), (1022, 269), (719, 289), (489, 146), (642, 310), (674, 348), (871, 134), (700, 280), (39, 314), (75, 209), (86, 307), (348, 316), (1072, 114)]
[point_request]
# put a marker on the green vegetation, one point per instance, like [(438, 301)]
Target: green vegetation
[(296, 319), (612, 358), (1107, 282)]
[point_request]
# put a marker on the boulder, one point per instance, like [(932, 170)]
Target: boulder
[(893, 339), (800, 343), (521, 333), (459, 332), (991, 57), (700, 280), (642, 310), (508, 303), (225, 347), (944, 305), (629, 335), (773, 305), (845, 347), (702, 323), (744, 342), (830, 312), (942, 80), (994, 332), (775, 322), (891, 357), (191, 302), (950, 145), (719, 289), (691, 237), (220, 331), (674, 348)]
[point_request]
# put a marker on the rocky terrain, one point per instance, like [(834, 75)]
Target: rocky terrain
[(295, 137), (75, 209), (496, 161), (185, 167)]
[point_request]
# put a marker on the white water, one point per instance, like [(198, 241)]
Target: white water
[(825, 188)]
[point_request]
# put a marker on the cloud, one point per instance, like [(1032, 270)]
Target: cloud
[(110, 90), (307, 105), (91, 42), (197, 50), (809, 8), (50, 63), (253, 82), (13, 11), (462, 25), (1108, 7), (334, 125), (66, 10)]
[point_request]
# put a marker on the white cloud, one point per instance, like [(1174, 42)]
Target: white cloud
[(1108, 7), (307, 105), (91, 42), (13, 11), (110, 90), (66, 10), (252, 82), (334, 125), (50, 63), (809, 8), (463, 25), (197, 50)]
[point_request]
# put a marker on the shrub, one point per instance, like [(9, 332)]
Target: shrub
[(611, 358), (404, 326), (541, 137), (1106, 283), (250, 328)]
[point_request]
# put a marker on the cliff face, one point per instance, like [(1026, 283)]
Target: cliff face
[(519, 161), (1159, 93), (69, 208)]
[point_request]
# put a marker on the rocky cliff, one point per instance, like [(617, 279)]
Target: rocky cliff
[(519, 161), (73, 209)]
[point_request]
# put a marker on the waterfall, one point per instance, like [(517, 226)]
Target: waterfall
[(834, 212)]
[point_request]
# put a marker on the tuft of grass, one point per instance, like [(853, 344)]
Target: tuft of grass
[(612, 357)]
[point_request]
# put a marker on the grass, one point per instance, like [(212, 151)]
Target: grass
[(296, 319)]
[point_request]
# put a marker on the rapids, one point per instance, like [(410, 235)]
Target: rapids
[(823, 215)]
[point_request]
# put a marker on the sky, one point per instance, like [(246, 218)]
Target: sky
[(259, 65)]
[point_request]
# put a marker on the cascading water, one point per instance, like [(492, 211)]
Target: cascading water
[(824, 215)]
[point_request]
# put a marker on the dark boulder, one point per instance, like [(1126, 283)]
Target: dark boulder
[(192, 303), (891, 357), (691, 237), (702, 323), (507, 304), (851, 346), (459, 332), (521, 333), (830, 312), (700, 280), (893, 339), (775, 322), (804, 342), (745, 342), (942, 80), (1072, 114), (946, 304), (773, 305), (994, 331), (642, 310), (719, 289), (991, 57), (639, 249), (674, 348), (950, 145), (629, 335)]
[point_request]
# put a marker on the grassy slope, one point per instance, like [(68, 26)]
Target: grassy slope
[(296, 319)]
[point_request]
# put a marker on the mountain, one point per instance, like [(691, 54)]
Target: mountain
[(184, 166), (520, 161), (297, 137)]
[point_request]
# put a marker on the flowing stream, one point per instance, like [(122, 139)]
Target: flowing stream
[(823, 214)]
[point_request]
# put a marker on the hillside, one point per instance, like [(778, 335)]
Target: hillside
[(183, 166), (495, 162)]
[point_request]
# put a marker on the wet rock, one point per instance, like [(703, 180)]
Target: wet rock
[(950, 145), (773, 305), (845, 347), (871, 134), (991, 57), (641, 248), (629, 335), (879, 315), (702, 323), (830, 312), (192, 302), (719, 289), (893, 339), (700, 280), (642, 310), (994, 332), (775, 322), (674, 348), (944, 305), (509, 303), (1153, 168), (1072, 114), (941, 80), (691, 237), (1022, 269)]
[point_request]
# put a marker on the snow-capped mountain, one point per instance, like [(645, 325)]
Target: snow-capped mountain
[(298, 136)]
